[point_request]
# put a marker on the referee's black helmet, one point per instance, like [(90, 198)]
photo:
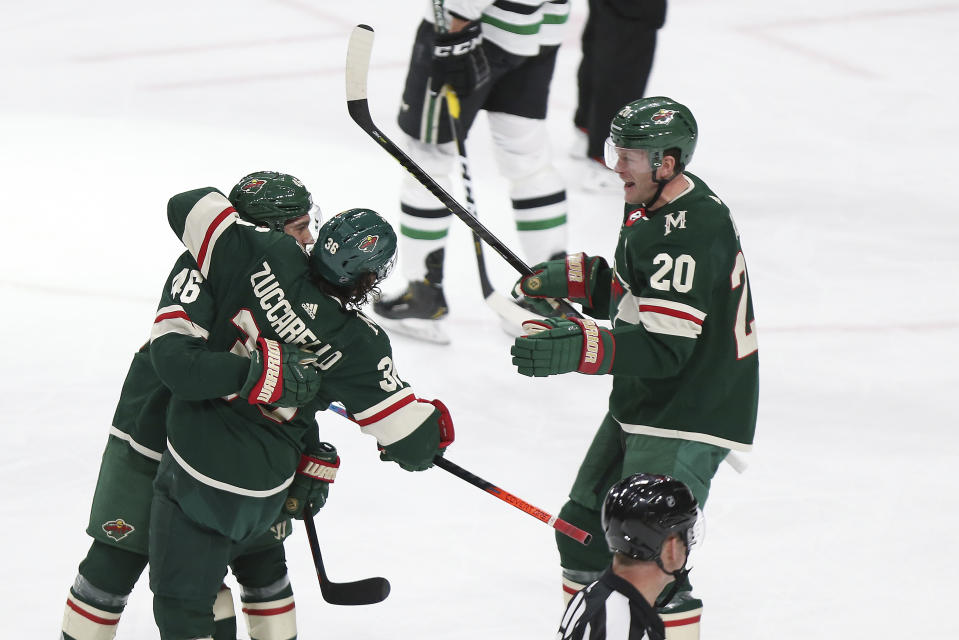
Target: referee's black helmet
[(641, 511)]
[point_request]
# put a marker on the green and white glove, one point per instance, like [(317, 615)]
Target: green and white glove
[(572, 278), (555, 346), (311, 484), (280, 374), (416, 451)]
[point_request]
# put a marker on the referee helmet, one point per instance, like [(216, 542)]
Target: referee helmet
[(640, 512)]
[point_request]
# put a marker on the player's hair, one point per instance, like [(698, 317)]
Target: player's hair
[(350, 296), (676, 153)]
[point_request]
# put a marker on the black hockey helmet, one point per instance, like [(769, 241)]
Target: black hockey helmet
[(641, 511), (271, 198)]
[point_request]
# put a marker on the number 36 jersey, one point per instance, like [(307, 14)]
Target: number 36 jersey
[(261, 284), (686, 363)]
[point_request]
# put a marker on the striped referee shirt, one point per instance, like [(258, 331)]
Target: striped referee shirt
[(610, 609)]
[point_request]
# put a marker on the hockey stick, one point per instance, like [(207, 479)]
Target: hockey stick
[(504, 307), (368, 591), (556, 522), (456, 125), (510, 312), (357, 69)]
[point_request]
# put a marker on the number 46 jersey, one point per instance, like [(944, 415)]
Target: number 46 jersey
[(262, 286), (686, 363)]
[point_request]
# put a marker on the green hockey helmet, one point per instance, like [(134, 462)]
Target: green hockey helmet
[(351, 243), (653, 125), (272, 199)]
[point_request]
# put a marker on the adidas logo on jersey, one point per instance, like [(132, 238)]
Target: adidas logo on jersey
[(310, 309)]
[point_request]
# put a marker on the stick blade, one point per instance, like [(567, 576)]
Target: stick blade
[(512, 316), (358, 54), (361, 592)]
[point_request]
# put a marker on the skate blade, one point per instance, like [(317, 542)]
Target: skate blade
[(426, 330)]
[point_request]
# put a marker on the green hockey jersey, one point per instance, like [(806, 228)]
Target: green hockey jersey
[(261, 284), (184, 312), (686, 363)]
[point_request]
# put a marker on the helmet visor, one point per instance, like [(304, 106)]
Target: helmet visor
[(386, 268), (627, 160), (316, 220), (694, 538)]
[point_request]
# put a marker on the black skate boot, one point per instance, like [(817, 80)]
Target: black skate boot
[(422, 299), (418, 311)]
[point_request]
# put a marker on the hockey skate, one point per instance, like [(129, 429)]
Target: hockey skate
[(418, 312)]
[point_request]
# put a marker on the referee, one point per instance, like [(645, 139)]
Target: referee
[(649, 523)]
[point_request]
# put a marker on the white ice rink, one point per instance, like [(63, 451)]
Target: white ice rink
[(828, 127)]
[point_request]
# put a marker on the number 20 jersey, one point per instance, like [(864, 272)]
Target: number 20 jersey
[(683, 319)]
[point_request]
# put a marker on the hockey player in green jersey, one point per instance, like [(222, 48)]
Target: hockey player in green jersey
[(224, 487), (682, 349), (120, 514)]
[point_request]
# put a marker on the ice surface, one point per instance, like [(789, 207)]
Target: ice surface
[(827, 127)]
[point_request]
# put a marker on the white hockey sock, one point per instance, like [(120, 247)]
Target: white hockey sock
[(273, 620), (270, 619), (570, 589), (223, 605), (82, 621), (682, 625), (424, 220)]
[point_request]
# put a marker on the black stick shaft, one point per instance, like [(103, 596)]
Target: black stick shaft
[(359, 111), (315, 549)]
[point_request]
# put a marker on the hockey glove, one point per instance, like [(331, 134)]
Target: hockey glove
[(561, 346), (312, 481), (572, 278), (416, 451), (280, 374), (459, 61)]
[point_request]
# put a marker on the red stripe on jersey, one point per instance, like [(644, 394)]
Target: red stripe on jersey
[(269, 612), (670, 312), (612, 342), (570, 590), (201, 254), (89, 616), (172, 314), (387, 411), (682, 622)]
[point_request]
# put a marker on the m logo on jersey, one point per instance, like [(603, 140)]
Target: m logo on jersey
[(635, 216), (118, 529), (663, 116), (253, 186), (369, 243), (675, 221)]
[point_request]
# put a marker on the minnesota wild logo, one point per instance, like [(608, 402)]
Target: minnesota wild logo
[(663, 116), (253, 185), (118, 529), (369, 243)]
